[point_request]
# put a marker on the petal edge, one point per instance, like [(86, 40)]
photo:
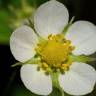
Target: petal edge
[(77, 81), (36, 81), (22, 43), (51, 18)]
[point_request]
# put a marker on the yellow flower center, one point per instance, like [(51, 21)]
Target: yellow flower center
[(55, 53)]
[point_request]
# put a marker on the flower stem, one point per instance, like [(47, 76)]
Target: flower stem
[(11, 79)]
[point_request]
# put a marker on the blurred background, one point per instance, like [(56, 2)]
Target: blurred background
[(12, 13)]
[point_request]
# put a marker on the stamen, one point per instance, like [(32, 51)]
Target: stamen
[(55, 53)]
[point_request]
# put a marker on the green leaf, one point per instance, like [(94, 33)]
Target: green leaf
[(5, 33), (5, 30)]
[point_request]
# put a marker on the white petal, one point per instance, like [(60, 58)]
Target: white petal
[(51, 18), (36, 81), (79, 80), (83, 36), (22, 43)]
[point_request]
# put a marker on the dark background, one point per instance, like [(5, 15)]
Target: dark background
[(81, 9)]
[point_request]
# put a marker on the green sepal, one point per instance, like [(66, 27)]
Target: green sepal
[(55, 82), (68, 25), (54, 76), (82, 58), (31, 61), (17, 64)]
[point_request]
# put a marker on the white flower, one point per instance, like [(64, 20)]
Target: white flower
[(51, 18)]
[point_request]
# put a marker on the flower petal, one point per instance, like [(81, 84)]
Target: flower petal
[(36, 81), (83, 36), (51, 18), (79, 80), (22, 43)]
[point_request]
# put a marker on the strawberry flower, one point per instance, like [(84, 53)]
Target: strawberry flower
[(53, 51)]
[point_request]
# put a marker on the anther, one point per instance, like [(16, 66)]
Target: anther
[(55, 53)]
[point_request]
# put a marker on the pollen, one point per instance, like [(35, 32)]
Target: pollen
[(55, 53)]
